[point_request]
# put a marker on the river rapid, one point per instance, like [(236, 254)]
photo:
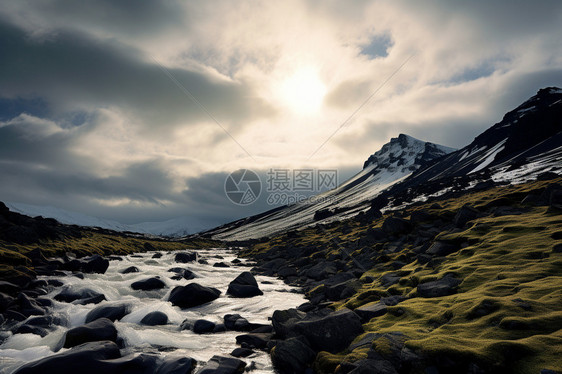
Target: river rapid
[(167, 340)]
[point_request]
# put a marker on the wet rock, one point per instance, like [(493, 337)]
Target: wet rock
[(88, 358), (244, 285), (241, 352), (91, 300), (221, 265), (445, 286), (254, 340), (389, 279), (130, 269), (68, 295), (157, 255), (192, 295), (154, 319), (98, 330), (111, 312), (5, 301), (154, 283), (203, 326), (29, 329), (45, 321), (236, 322), (29, 307), (332, 332), (182, 365), (223, 365), (185, 257), (292, 356)]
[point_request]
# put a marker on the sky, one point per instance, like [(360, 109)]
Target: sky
[(138, 110)]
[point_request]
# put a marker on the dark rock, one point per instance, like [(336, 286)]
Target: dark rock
[(203, 326), (442, 248), (29, 329), (154, 319), (69, 295), (111, 312), (258, 341), (333, 332), (395, 226), (55, 283), (389, 279), (130, 269), (91, 300), (236, 322), (87, 358), (445, 286), (192, 295), (373, 367), (185, 257), (223, 365), (5, 301), (241, 352), (420, 216), (371, 310), (94, 264), (221, 265), (44, 321), (148, 247), (9, 288), (292, 356), (28, 306), (154, 283), (13, 315), (284, 322), (181, 365), (464, 215), (244, 285), (236, 261), (157, 255), (99, 330), (321, 270)]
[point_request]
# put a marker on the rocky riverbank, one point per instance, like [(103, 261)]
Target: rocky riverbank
[(468, 283)]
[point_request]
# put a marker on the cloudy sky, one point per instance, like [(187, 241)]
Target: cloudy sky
[(138, 110)]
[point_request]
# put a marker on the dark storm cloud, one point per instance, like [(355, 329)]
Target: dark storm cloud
[(125, 17), (72, 71)]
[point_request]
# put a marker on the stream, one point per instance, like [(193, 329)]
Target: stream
[(166, 340)]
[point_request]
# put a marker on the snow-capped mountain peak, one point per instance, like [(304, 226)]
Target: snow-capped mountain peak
[(406, 153)]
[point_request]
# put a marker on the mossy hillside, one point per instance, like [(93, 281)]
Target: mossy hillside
[(507, 313), (14, 260)]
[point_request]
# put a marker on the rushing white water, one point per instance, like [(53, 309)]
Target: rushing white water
[(168, 339)]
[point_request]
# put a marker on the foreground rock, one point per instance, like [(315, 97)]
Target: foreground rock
[(84, 359), (111, 312), (154, 283), (244, 285), (223, 365), (332, 332), (98, 330), (292, 356), (192, 295), (154, 319)]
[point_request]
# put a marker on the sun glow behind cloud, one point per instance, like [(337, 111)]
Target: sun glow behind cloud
[(302, 92)]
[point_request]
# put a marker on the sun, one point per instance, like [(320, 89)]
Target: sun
[(303, 92)]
